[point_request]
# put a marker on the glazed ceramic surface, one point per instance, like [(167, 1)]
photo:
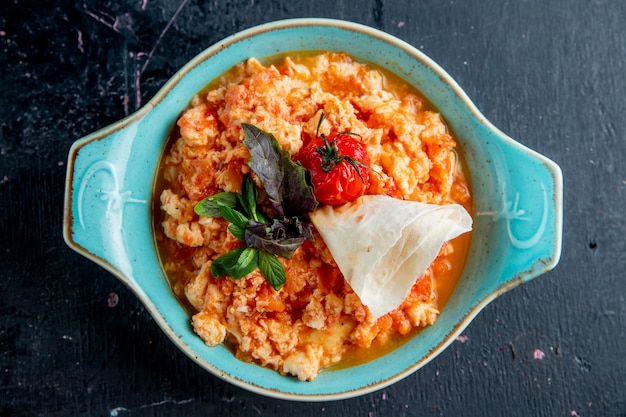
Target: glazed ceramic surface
[(517, 203)]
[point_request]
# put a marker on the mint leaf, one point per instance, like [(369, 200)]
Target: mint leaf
[(222, 265), (248, 261), (272, 270), (238, 232), (236, 264), (209, 207), (286, 183), (247, 198), (233, 216)]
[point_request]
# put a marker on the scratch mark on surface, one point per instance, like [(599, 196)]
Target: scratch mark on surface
[(81, 48), (140, 71), (103, 18), (115, 412), (124, 26), (163, 32), (513, 353)]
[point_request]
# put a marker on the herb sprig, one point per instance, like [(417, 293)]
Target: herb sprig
[(290, 193)]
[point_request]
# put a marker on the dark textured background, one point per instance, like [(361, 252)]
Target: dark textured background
[(552, 74)]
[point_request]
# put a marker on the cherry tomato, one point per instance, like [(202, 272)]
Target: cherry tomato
[(339, 168)]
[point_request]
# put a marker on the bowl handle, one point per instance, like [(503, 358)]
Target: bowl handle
[(100, 199), (529, 218)]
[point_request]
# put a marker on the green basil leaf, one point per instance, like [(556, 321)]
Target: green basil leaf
[(233, 216), (236, 264), (209, 207), (261, 218), (238, 232), (222, 266), (247, 198), (248, 261), (272, 270)]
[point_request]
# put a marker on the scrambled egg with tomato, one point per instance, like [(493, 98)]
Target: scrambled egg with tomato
[(315, 320)]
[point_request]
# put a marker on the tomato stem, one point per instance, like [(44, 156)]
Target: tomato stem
[(331, 155)]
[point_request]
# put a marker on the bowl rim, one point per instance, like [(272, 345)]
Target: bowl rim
[(163, 92)]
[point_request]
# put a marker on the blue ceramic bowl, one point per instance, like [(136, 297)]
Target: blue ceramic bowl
[(517, 204)]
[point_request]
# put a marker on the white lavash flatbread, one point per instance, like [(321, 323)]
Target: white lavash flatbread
[(382, 244)]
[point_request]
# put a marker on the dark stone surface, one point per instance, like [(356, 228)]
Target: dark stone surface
[(76, 342)]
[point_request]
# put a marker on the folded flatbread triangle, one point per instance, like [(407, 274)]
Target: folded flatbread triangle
[(382, 244)]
